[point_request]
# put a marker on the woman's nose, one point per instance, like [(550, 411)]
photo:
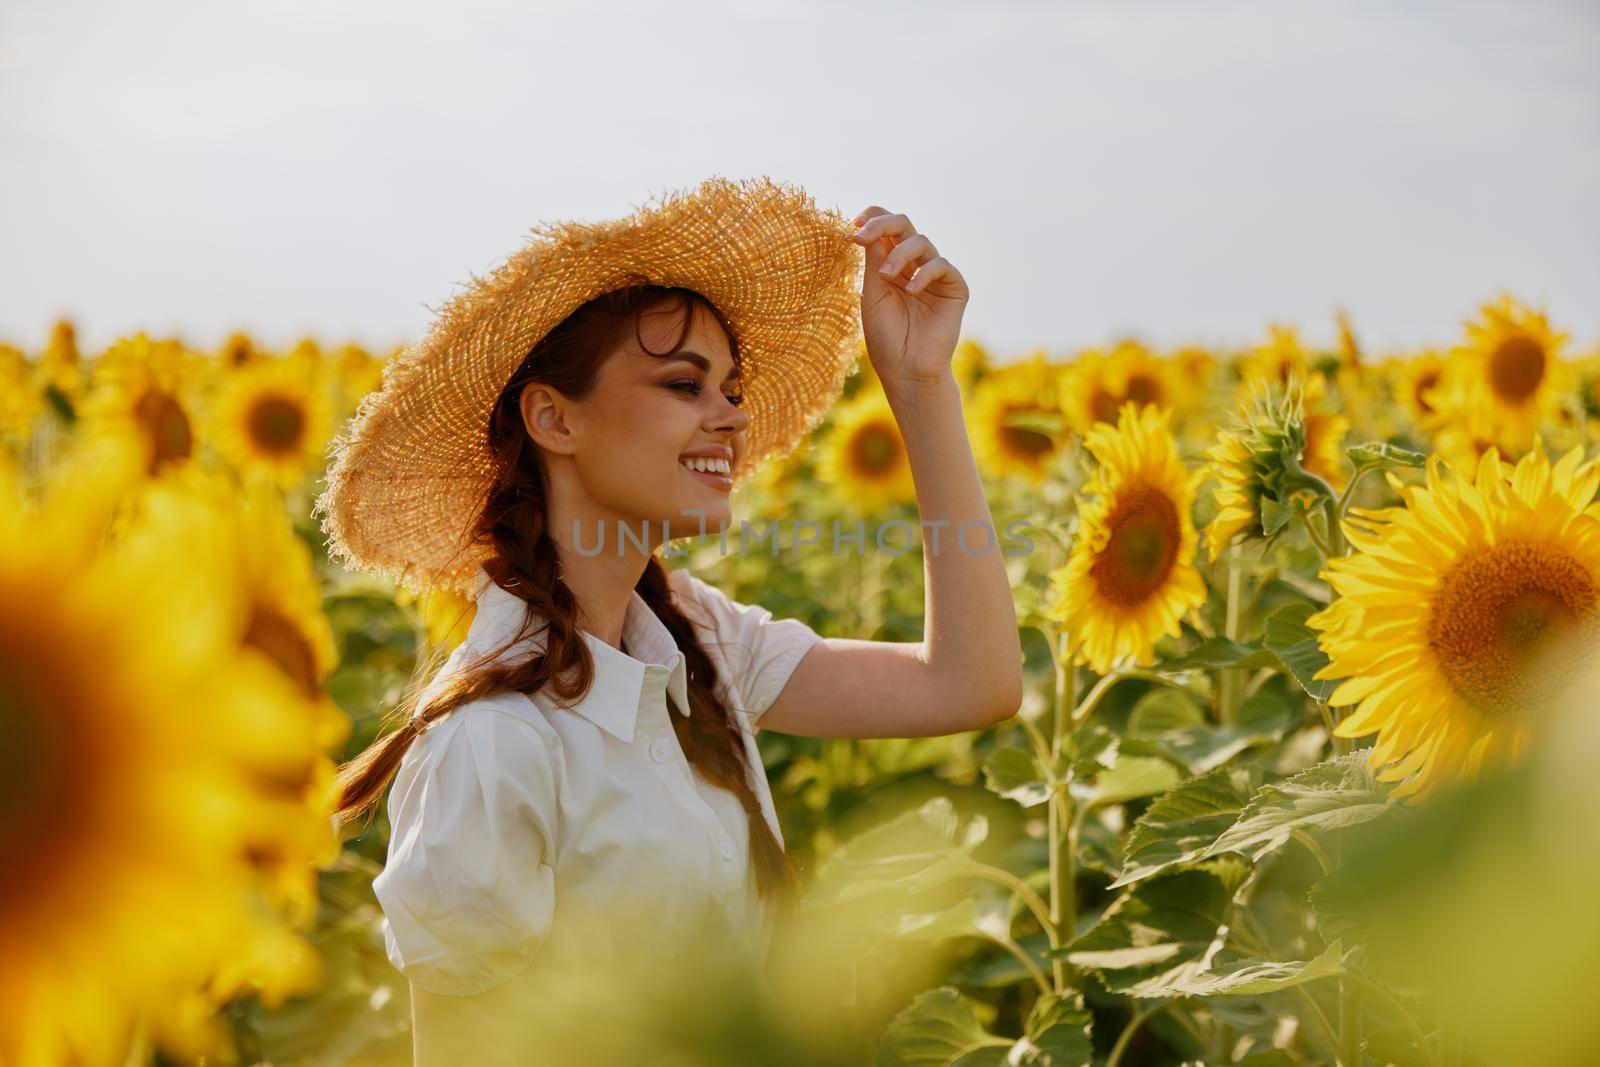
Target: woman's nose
[(732, 417)]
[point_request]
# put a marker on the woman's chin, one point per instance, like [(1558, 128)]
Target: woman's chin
[(700, 518)]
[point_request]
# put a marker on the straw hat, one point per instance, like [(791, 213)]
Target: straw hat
[(406, 476)]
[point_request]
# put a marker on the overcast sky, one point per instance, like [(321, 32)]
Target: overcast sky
[(1182, 171)]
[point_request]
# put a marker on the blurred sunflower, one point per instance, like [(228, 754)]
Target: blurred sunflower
[(273, 417), (1349, 345), (969, 363), (1325, 432), (1018, 424), (238, 350), (356, 372), (1097, 384), (1464, 614), (20, 398), (61, 364), (445, 614), (775, 485), (142, 398), (1130, 577), (1465, 425), (1513, 356), (262, 602), (1277, 360), (1413, 381), (119, 810), (863, 459)]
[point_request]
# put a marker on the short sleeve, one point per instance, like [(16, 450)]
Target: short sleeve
[(468, 890), (758, 651)]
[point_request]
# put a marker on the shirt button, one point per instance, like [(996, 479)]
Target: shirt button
[(658, 751), (727, 851)]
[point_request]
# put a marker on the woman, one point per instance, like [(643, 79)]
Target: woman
[(543, 791)]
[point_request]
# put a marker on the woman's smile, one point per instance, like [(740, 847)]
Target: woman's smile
[(715, 471)]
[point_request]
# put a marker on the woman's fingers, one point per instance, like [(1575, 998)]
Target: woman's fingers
[(883, 224), (930, 272), (913, 250)]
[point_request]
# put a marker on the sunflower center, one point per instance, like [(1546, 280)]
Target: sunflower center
[(1024, 442), (63, 735), (277, 425), (1517, 367), (275, 637), (1513, 624), (1144, 390), (1103, 406), (1142, 548), (876, 450), (1420, 388), (166, 427)]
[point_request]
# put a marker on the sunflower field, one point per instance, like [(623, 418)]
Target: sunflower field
[(1303, 774)]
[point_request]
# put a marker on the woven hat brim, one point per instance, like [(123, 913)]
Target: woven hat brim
[(406, 476)]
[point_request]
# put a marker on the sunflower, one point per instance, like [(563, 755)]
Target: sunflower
[(273, 417), (1464, 613), (1511, 354), (1018, 425), (142, 398), (1131, 576), (123, 884), (1098, 383), (1260, 464), (863, 457)]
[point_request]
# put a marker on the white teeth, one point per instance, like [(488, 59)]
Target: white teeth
[(719, 466)]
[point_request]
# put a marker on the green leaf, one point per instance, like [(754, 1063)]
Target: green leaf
[(1056, 1034), (1156, 933), (1274, 516), (1131, 778), (1295, 643), (1217, 652), (1396, 1048), (1164, 710), (1336, 793), (1167, 722), (1383, 454), (1015, 774), (1252, 977), (940, 1028), (1181, 826), (915, 851)]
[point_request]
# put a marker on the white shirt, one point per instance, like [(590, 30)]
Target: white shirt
[(509, 814)]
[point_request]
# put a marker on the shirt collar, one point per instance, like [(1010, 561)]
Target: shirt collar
[(622, 683)]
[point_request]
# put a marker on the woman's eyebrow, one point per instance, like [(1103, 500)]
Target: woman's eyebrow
[(703, 363)]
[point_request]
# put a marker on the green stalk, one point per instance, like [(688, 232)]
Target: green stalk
[(1229, 681), (1349, 1023), (1033, 902), (1063, 870)]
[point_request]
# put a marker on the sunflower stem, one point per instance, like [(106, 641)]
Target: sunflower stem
[(1350, 1023), (1062, 861), (1229, 680), (1024, 892)]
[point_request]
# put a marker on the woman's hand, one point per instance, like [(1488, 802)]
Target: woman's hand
[(910, 311)]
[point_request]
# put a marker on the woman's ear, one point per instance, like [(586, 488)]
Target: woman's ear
[(544, 417)]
